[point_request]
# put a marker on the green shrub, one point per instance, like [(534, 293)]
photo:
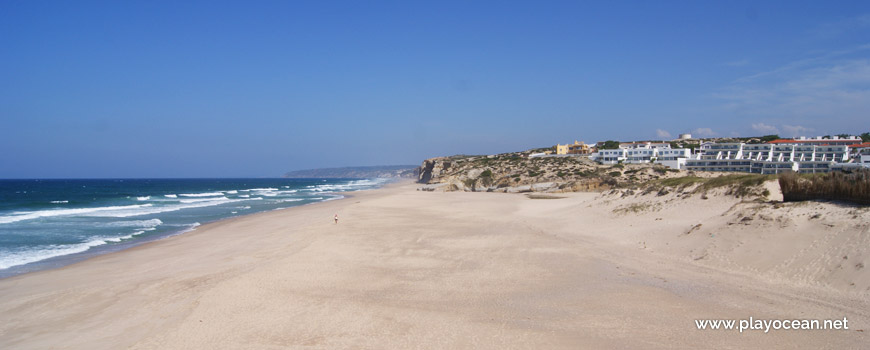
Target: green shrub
[(681, 181), (743, 180)]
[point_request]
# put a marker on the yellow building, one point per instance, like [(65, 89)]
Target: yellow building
[(576, 148)]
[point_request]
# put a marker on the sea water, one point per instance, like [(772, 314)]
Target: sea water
[(51, 223)]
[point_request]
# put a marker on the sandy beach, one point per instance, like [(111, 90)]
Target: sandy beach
[(406, 269)]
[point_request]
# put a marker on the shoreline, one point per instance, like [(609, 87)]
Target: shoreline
[(60, 262), (406, 268)]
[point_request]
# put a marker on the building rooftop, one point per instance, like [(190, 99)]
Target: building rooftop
[(814, 141)]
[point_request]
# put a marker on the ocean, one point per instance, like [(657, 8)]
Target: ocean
[(51, 223)]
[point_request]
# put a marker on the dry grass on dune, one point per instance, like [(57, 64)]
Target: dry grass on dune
[(853, 187)]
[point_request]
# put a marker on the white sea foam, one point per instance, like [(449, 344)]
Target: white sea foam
[(9, 258), (198, 200), (161, 209), (113, 211), (118, 239), (30, 215), (268, 192), (16, 258), (189, 228), (133, 223), (355, 185), (350, 186), (205, 194)]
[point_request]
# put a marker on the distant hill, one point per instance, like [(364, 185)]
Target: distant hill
[(379, 171)]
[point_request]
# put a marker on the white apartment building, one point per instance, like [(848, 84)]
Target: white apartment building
[(610, 156), (804, 155), (861, 153), (640, 155), (769, 158), (674, 158), (864, 156), (644, 145), (644, 152)]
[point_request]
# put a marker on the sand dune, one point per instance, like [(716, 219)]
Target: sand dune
[(406, 269)]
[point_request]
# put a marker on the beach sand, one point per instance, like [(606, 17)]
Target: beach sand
[(406, 269)]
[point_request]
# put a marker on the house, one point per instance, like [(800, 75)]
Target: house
[(575, 148)]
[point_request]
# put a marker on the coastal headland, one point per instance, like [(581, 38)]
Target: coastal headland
[(407, 269)]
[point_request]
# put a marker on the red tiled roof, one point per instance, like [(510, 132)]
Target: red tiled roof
[(861, 145)]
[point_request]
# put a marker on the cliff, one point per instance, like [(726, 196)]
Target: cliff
[(381, 171), (517, 173)]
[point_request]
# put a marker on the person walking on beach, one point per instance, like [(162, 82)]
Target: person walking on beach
[(336, 218)]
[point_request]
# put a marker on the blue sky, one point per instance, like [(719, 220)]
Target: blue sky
[(223, 89)]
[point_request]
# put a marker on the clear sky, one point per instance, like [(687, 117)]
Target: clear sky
[(257, 88)]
